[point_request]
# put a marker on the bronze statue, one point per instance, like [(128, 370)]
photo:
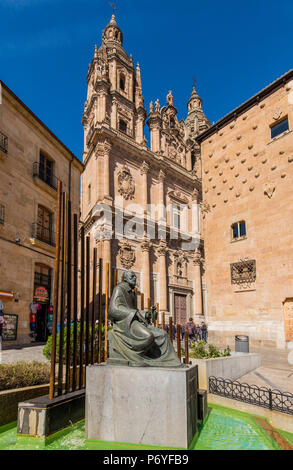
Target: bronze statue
[(133, 340)]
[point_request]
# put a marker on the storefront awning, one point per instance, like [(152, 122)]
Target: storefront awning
[(6, 295)]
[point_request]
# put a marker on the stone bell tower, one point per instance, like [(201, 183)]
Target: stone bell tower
[(126, 178), (195, 123), (114, 95)]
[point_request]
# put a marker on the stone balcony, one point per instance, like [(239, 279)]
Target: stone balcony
[(180, 281)]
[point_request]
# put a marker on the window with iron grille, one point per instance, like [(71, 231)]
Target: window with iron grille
[(3, 143), (2, 214), (243, 272)]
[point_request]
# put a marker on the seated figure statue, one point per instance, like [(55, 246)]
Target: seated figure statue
[(133, 341)]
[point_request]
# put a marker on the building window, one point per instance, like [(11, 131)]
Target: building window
[(122, 82), (176, 216), (122, 126), (243, 272), (3, 143), (172, 123), (239, 230), (279, 128), (2, 214), (43, 276), (42, 229), (44, 171), (89, 195)]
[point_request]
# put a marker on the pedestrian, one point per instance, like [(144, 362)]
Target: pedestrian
[(204, 331), (182, 332), (174, 332), (190, 328), (198, 333), (2, 324)]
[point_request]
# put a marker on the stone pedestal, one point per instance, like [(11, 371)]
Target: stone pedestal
[(151, 406)]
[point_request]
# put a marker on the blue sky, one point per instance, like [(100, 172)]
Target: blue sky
[(233, 49)]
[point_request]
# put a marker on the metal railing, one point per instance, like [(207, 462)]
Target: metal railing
[(3, 143), (259, 396), (39, 172), (43, 234)]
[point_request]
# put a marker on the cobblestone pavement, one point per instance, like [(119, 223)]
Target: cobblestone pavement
[(25, 353)]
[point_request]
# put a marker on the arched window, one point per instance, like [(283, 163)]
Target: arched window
[(172, 123)]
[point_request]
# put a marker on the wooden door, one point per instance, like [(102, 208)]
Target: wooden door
[(180, 309), (288, 319)]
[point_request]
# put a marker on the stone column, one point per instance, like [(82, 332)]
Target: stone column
[(155, 125), (162, 206), (146, 274), (114, 114), (106, 259), (198, 288), (107, 150), (162, 252), (144, 173)]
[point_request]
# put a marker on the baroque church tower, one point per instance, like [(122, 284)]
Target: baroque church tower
[(123, 174)]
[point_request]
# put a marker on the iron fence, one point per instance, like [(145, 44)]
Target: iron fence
[(43, 234), (3, 143), (259, 396)]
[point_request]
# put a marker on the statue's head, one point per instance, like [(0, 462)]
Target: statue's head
[(130, 278)]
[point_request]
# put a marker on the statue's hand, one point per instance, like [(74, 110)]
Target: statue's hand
[(140, 318)]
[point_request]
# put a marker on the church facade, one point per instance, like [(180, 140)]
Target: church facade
[(139, 205)]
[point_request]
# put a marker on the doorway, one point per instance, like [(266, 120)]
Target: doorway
[(180, 311)]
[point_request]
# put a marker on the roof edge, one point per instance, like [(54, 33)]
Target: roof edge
[(246, 105), (74, 157)]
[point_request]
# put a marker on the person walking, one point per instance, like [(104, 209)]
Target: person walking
[(204, 331), (198, 333), (182, 332), (191, 328)]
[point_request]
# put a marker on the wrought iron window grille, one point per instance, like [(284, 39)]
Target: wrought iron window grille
[(3, 143), (43, 234), (259, 396), (2, 214), (243, 272)]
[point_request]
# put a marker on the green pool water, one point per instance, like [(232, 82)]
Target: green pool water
[(224, 429)]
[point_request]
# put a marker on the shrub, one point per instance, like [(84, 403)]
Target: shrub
[(200, 350), (47, 349), (23, 374)]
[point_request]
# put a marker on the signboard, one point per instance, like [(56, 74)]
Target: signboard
[(9, 332), (41, 294), (6, 295)]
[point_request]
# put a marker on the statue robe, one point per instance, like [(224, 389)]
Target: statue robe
[(131, 340)]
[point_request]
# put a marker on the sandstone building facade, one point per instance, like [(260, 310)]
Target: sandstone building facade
[(160, 185), (32, 158), (247, 160)]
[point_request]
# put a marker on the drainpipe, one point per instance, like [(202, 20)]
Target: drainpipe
[(69, 179)]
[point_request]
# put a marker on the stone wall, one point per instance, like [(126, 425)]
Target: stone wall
[(247, 176)]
